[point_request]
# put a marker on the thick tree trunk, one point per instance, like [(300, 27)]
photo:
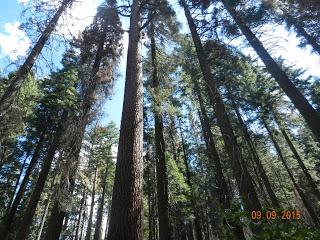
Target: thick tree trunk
[(126, 220), (54, 227), (256, 157), (310, 115), (17, 81), (8, 219), (296, 155), (240, 171), (303, 197), (161, 167)]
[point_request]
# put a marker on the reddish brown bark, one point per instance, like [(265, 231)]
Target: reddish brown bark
[(126, 218)]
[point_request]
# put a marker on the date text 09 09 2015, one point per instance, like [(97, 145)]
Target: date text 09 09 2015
[(272, 215)]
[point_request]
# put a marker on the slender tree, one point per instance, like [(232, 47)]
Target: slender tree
[(161, 169), (303, 197), (310, 115), (241, 173), (18, 79)]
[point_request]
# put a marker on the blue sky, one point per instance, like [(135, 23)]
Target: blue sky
[(14, 43)]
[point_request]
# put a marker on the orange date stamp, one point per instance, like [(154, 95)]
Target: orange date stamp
[(273, 215)]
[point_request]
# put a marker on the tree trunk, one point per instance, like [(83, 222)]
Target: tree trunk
[(161, 167), (107, 224), (75, 146), (17, 182), (93, 194), (43, 219), (82, 203), (35, 196), (256, 157), (21, 75), (126, 220), (97, 231), (240, 171), (310, 115), (151, 195), (8, 219), (303, 197), (223, 192), (83, 220), (198, 230), (296, 155)]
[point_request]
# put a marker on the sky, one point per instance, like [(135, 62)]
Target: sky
[(14, 44)]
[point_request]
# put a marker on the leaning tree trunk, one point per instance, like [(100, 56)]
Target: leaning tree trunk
[(161, 167), (212, 153), (303, 197), (256, 157), (9, 217), (126, 218), (296, 155), (243, 178), (44, 216), (35, 196), (16, 185), (310, 115), (21, 75)]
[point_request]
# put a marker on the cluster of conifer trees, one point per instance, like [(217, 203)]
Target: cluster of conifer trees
[(208, 135)]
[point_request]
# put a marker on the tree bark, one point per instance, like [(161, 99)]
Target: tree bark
[(303, 197), (244, 180), (161, 167), (310, 115), (17, 81), (35, 196), (126, 219)]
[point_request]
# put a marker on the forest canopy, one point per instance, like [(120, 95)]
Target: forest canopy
[(219, 136)]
